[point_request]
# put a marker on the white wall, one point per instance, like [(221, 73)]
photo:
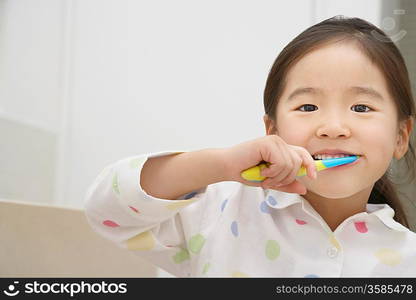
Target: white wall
[(149, 76), (30, 98), (156, 75), (30, 73), (369, 10), (105, 79)]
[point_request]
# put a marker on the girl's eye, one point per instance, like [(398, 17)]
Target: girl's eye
[(362, 108), (307, 107), (310, 107)]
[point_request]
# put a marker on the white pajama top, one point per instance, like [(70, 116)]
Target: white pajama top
[(229, 229)]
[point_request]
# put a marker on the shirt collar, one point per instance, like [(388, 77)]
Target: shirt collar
[(385, 213), (279, 200)]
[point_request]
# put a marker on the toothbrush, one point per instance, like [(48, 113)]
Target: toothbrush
[(253, 173)]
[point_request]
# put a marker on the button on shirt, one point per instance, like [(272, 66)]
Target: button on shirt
[(229, 229)]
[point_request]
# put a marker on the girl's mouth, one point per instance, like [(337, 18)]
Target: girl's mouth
[(343, 167), (327, 156), (347, 165)]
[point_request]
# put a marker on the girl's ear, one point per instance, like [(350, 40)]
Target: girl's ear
[(269, 125), (403, 137)]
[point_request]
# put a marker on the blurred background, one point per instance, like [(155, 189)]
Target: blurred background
[(86, 83)]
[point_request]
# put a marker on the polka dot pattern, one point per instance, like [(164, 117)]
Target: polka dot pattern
[(181, 256), (110, 223), (206, 268), (388, 256), (224, 203), (272, 201), (361, 227), (300, 222), (264, 208), (234, 228), (272, 249), (134, 209), (115, 185), (334, 242), (282, 241), (191, 195), (196, 243), (178, 204), (239, 274), (142, 241)]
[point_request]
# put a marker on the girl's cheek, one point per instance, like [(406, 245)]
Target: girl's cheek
[(292, 131), (296, 135)]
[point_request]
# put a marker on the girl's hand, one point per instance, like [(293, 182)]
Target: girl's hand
[(285, 161)]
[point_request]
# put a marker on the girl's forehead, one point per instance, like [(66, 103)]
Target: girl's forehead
[(334, 66)]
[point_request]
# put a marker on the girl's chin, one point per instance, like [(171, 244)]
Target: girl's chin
[(333, 191)]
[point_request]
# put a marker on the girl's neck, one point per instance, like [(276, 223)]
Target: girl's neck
[(335, 211)]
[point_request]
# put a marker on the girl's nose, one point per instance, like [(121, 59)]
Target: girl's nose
[(333, 128)]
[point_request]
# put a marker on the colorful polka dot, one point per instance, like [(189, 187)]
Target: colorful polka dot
[(271, 200), (224, 203), (134, 209), (206, 268), (234, 228), (334, 241), (300, 222), (191, 195), (196, 243), (110, 223), (361, 227), (178, 204), (115, 185), (239, 274), (142, 241), (388, 257), (181, 256), (264, 207), (272, 249)]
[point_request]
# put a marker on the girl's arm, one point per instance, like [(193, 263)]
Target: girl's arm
[(169, 177)]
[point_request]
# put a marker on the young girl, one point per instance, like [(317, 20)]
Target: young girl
[(340, 87)]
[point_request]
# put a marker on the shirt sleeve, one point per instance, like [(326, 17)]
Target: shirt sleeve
[(159, 230)]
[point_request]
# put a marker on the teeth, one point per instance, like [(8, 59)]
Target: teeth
[(326, 156)]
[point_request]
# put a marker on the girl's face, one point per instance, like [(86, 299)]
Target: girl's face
[(336, 98)]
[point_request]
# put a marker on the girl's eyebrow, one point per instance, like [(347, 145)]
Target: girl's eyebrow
[(356, 90), (304, 90)]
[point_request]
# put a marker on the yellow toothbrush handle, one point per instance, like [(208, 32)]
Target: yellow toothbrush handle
[(253, 174)]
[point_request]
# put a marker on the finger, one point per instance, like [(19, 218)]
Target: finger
[(297, 163), (277, 159), (283, 168), (307, 161)]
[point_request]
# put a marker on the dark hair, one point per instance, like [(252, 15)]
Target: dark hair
[(381, 50)]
